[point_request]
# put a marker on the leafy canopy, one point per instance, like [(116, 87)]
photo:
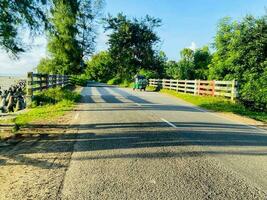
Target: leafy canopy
[(131, 44), (14, 15), (241, 54), (71, 38)]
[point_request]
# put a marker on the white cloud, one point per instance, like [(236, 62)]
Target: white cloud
[(193, 46), (27, 61)]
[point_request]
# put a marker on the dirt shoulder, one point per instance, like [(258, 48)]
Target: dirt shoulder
[(34, 168)]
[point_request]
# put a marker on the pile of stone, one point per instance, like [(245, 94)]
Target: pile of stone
[(13, 99)]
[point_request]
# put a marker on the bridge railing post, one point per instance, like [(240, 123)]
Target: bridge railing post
[(29, 88)]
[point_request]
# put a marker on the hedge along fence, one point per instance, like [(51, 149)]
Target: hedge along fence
[(226, 89), (39, 82)]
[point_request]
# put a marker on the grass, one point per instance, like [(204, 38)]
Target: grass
[(46, 112), (47, 105), (219, 105)]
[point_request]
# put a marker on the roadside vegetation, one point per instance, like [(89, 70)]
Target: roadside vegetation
[(238, 52), (218, 104), (46, 105)]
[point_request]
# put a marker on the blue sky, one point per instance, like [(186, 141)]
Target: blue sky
[(185, 23)]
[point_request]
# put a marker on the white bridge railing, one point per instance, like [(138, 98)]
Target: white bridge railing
[(226, 89)]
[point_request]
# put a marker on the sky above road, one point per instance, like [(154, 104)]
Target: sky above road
[(185, 23)]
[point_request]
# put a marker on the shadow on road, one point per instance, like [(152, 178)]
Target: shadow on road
[(138, 135), (112, 136)]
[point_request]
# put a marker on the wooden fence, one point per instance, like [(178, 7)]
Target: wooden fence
[(199, 87), (39, 82)]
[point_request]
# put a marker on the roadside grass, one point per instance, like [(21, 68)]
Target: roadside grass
[(218, 104), (46, 105), (45, 113), (150, 89)]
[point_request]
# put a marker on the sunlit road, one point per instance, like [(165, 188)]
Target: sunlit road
[(145, 145)]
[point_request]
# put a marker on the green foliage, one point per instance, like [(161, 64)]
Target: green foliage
[(47, 66), (14, 14), (55, 95), (100, 67), (219, 105), (172, 70), (80, 80), (115, 81), (148, 73), (193, 65), (241, 55), (120, 82), (63, 45), (126, 83), (202, 59), (49, 104), (131, 45), (71, 38)]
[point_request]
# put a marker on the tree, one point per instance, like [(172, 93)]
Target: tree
[(47, 66), (172, 70), (89, 11), (100, 67), (71, 38), (202, 59), (14, 14), (63, 45), (242, 55), (192, 65), (131, 44)]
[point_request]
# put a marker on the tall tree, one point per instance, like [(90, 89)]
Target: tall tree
[(14, 14), (72, 36), (131, 44), (63, 45), (88, 13)]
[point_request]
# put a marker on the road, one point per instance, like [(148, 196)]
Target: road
[(146, 145)]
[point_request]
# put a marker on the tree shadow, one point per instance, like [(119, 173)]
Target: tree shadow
[(114, 136)]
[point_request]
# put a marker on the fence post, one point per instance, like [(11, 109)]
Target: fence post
[(195, 87), (160, 83), (57, 80), (233, 91), (185, 86), (46, 81), (54, 80), (63, 80), (198, 87), (163, 83), (29, 88), (213, 87), (40, 77)]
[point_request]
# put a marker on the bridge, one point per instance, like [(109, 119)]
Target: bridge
[(125, 144), (146, 145)]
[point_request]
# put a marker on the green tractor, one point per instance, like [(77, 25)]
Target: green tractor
[(140, 82)]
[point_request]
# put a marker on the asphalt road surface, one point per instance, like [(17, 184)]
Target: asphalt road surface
[(146, 145)]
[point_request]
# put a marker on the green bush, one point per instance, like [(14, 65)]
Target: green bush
[(114, 81), (148, 73), (80, 80), (55, 95)]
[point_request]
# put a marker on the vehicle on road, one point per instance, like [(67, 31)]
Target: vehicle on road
[(140, 82)]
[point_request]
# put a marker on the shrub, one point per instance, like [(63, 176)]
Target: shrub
[(80, 80), (55, 95), (114, 81)]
